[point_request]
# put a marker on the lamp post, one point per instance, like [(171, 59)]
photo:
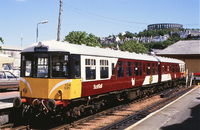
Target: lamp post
[(46, 21)]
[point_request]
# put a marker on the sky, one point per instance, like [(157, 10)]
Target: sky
[(19, 18)]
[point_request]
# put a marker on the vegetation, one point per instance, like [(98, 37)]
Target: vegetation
[(1, 40), (133, 46), (78, 37)]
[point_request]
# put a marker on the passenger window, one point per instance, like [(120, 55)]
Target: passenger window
[(153, 68), (104, 69), (113, 68), (90, 69), (129, 68), (120, 69), (136, 69), (163, 69), (156, 68), (148, 69), (144, 69)]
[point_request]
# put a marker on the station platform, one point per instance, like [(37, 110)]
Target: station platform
[(181, 114)]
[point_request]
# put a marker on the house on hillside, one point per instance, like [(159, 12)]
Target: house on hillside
[(187, 51)]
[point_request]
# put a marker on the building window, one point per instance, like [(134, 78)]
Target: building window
[(90, 69), (120, 69), (128, 69), (104, 69)]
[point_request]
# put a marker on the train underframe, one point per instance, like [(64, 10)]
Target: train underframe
[(40, 108)]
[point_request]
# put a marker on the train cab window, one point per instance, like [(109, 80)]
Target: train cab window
[(26, 69), (120, 69), (90, 65), (104, 69), (148, 69), (128, 68), (60, 65)]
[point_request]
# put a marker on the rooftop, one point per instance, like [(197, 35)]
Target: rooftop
[(183, 47)]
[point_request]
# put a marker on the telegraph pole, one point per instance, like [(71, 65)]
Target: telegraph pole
[(59, 21)]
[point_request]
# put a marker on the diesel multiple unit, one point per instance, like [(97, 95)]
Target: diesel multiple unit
[(59, 78)]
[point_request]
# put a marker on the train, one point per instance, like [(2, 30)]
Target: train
[(63, 79)]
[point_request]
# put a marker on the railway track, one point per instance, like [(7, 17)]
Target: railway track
[(124, 112), (128, 117)]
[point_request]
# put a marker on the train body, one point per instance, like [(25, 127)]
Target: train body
[(59, 76)]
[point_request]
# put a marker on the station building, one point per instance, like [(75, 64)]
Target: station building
[(187, 51), (161, 26), (14, 52)]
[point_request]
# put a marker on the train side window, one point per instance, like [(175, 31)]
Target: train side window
[(113, 68), (136, 69), (128, 68), (156, 68), (148, 69), (163, 68), (90, 65), (168, 68), (144, 69), (153, 68), (120, 69), (104, 69)]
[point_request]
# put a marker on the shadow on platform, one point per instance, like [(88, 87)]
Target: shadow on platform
[(192, 123)]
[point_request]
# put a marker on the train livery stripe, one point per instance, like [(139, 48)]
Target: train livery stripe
[(59, 84), (23, 80)]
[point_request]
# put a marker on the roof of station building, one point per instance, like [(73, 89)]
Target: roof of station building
[(183, 47)]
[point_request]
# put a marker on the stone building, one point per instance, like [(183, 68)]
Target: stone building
[(161, 26)]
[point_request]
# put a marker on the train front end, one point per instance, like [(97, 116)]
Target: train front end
[(46, 85)]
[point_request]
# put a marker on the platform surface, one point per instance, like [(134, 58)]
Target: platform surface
[(181, 114)]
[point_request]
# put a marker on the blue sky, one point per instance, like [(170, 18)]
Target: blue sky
[(99, 17)]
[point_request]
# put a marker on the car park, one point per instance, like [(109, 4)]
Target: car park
[(8, 80)]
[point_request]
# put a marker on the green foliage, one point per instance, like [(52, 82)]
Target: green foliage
[(78, 37), (127, 35), (147, 33), (1, 40), (133, 46)]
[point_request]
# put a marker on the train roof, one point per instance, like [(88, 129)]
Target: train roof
[(93, 51)]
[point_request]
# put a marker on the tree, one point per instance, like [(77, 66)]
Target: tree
[(133, 46), (78, 37), (1, 40)]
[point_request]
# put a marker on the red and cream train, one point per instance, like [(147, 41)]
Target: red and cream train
[(59, 78)]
